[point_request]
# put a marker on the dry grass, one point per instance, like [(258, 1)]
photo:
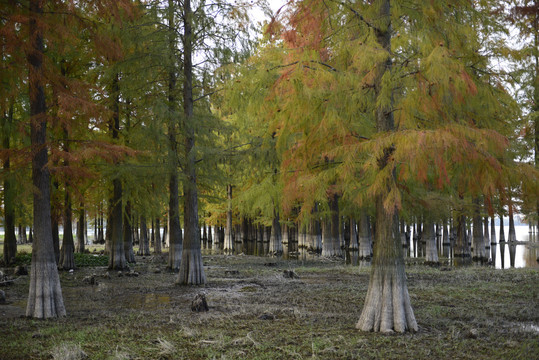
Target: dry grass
[(257, 313)]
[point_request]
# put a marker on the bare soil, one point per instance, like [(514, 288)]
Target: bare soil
[(258, 311)]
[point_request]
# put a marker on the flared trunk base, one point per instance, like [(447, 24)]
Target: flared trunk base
[(191, 268), (45, 295), (387, 306)]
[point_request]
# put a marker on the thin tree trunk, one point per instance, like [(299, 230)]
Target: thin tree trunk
[(10, 240), (229, 244), (462, 251), (116, 253), (55, 218), (477, 237), (81, 230), (354, 243), (493, 242), (157, 237), (486, 236), (165, 233), (335, 226), (446, 241), (174, 227), (128, 235), (512, 233), (144, 246), (67, 258), (365, 237), (431, 250), (45, 293), (276, 245), (191, 267), (502, 231)]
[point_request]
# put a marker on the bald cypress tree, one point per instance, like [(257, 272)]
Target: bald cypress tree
[(398, 107), (45, 295)]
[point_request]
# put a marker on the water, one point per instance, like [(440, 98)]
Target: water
[(522, 254)]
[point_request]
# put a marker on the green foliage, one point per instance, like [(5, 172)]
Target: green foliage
[(81, 259)]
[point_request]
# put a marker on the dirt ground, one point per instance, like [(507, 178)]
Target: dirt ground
[(258, 312)]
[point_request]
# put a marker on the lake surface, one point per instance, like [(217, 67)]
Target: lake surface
[(524, 253)]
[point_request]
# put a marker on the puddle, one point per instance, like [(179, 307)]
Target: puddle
[(530, 328), (147, 301)]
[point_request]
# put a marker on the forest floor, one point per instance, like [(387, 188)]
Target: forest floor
[(255, 312)]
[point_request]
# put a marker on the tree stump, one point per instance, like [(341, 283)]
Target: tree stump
[(199, 304)]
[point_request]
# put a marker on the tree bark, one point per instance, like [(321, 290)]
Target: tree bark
[(502, 231), (117, 259), (477, 235), (144, 245), (486, 237), (55, 219), (354, 243), (81, 230), (387, 304), (191, 267), (174, 227), (67, 258), (157, 237), (128, 235), (10, 240), (228, 243), (45, 293), (493, 242), (365, 237), (431, 250), (512, 233), (276, 245)]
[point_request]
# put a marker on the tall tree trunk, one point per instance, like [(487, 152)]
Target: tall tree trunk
[(117, 259), (535, 107), (45, 293), (55, 219), (144, 245), (493, 242), (365, 237), (330, 229), (10, 240), (157, 237), (486, 236), (502, 230), (512, 233), (335, 226), (354, 243), (387, 304), (191, 267), (165, 233), (446, 240), (431, 250), (462, 252), (128, 235), (331, 242), (174, 227), (276, 245), (477, 237), (81, 230), (204, 236), (228, 243), (67, 259)]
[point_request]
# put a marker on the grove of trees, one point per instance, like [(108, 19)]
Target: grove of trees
[(332, 124)]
